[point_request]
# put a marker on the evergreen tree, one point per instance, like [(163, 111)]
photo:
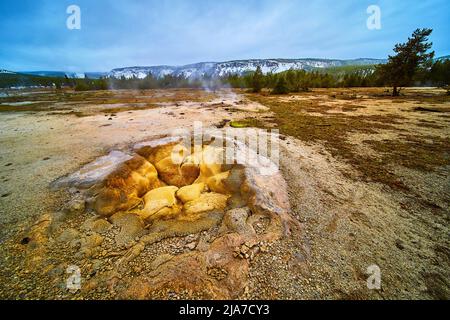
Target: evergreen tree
[(257, 80), (440, 74), (410, 57), (281, 86), (292, 79)]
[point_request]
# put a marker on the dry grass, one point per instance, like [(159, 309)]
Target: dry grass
[(93, 102), (312, 120)]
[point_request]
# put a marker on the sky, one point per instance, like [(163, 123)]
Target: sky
[(34, 34)]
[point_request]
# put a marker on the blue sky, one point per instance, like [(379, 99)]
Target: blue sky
[(34, 36)]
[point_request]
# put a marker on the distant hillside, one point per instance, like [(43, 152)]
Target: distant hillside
[(362, 70), (443, 58), (63, 74), (239, 67), (9, 79), (6, 71), (337, 68)]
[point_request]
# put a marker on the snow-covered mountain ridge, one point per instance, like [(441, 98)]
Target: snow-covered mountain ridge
[(218, 69)]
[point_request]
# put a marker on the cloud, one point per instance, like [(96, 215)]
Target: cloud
[(118, 33)]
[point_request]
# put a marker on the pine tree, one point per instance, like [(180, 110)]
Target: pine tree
[(409, 59), (257, 80), (292, 80), (440, 74), (281, 86)]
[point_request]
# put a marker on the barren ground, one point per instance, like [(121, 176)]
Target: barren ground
[(368, 179)]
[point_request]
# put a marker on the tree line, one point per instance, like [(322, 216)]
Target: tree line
[(437, 74)]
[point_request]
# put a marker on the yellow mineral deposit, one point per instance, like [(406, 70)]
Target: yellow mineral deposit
[(124, 187), (211, 162), (171, 173), (156, 154), (159, 194), (158, 199), (206, 202), (216, 182), (191, 192), (166, 182)]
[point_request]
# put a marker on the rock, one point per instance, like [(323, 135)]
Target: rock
[(165, 213), (159, 260), (96, 224), (93, 172), (35, 239), (233, 184), (217, 273), (236, 201), (190, 192), (298, 258), (168, 160), (101, 226), (210, 268), (210, 161), (158, 199), (76, 205), (206, 202), (190, 172), (191, 245), (207, 171), (68, 235), (156, 142), (171, 172), (263, 247), (235, 179), (155, 153), (91, 241), (214, 274), (400, 244), (88, 223), (235, 220), (203, 245), (88, 244), (216, 183), (59, 216), (131, 226), (111, 200), (57, 271), (96, 265), (123, 187), (247, 250)]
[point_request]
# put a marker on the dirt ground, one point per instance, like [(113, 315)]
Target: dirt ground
[(367, 174)]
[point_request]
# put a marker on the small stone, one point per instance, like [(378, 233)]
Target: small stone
[(263, 247), (130, 226), (76, 205), (91, 241), (399, 244), (191, 245), (159, 260), (68, 235), (101, 226)]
